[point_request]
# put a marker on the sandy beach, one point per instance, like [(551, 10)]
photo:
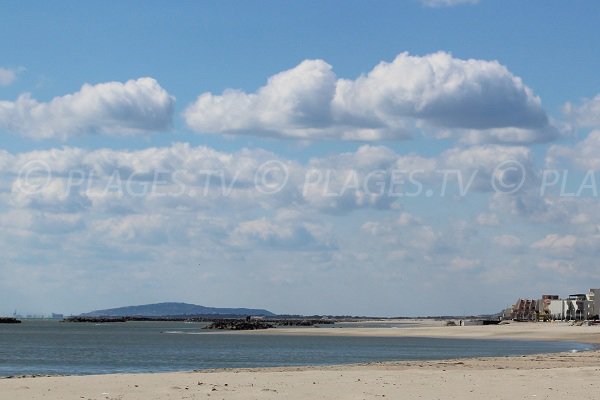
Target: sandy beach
[(557, 331), (545, 376)]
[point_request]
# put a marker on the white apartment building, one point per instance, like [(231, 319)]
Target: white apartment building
[(576, 306)]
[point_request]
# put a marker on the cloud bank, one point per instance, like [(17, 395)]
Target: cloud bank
[(436, 91), (158, 216)]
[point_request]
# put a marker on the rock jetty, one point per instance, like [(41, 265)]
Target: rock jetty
[(96, 320), (239, 325), (9, 320)]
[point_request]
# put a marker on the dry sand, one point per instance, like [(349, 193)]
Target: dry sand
[(549, 376), (557, 331)]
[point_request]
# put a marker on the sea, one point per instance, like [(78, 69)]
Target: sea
[(42, 347)]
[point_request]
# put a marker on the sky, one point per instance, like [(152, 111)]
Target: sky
[(390, 158)]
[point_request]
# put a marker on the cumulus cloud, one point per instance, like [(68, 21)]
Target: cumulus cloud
[(42, 223), (390, 102), (286, 230), (370, 177), (73, 179), (447, 3), (584, 154), (7, 76), (226, 225), (530, 205), (572, 253), (509, 136), (181, 175), (147, 229), (570, 245), (134, 107), (557, 244), (482, 167), (586, 114), (296, 101)]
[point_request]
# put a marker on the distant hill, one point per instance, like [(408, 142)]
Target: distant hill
[(174, 309)]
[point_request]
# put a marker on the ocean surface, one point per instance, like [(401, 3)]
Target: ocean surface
[(55, 348)]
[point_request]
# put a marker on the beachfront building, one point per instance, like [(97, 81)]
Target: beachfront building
[(522, 310), (556, 309), (593, 310), (545, 306), (576, 307)]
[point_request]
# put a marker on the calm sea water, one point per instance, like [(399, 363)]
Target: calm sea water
[(51, 347)]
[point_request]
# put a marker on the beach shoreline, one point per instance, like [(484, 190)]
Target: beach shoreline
[(557, 375)]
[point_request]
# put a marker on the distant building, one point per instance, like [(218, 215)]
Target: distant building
[(576, 307), (593, 310), (522, 310), (556, 309), (545, 310)]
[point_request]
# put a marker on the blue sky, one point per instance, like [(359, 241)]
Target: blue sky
[(335, 89)]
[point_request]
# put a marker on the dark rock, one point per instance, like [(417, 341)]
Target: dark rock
[(96, 320), (9, 320), (239, 325)]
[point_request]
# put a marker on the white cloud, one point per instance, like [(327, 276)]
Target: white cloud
[(282, 244), (296, 101), (374, 177), (482, 167), (284, 231), (7, 76), (375, 228), (32, 222), (447, 3), (407, 219), (529, 204), (114, 108), (586, 114), (508, 241), (131, 181), (147, 229), (585, 154), (370, 177), (245, 227), (563, 246), (464, 264), (391, 101), (579, 244), (54, 195), (509, 136)]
